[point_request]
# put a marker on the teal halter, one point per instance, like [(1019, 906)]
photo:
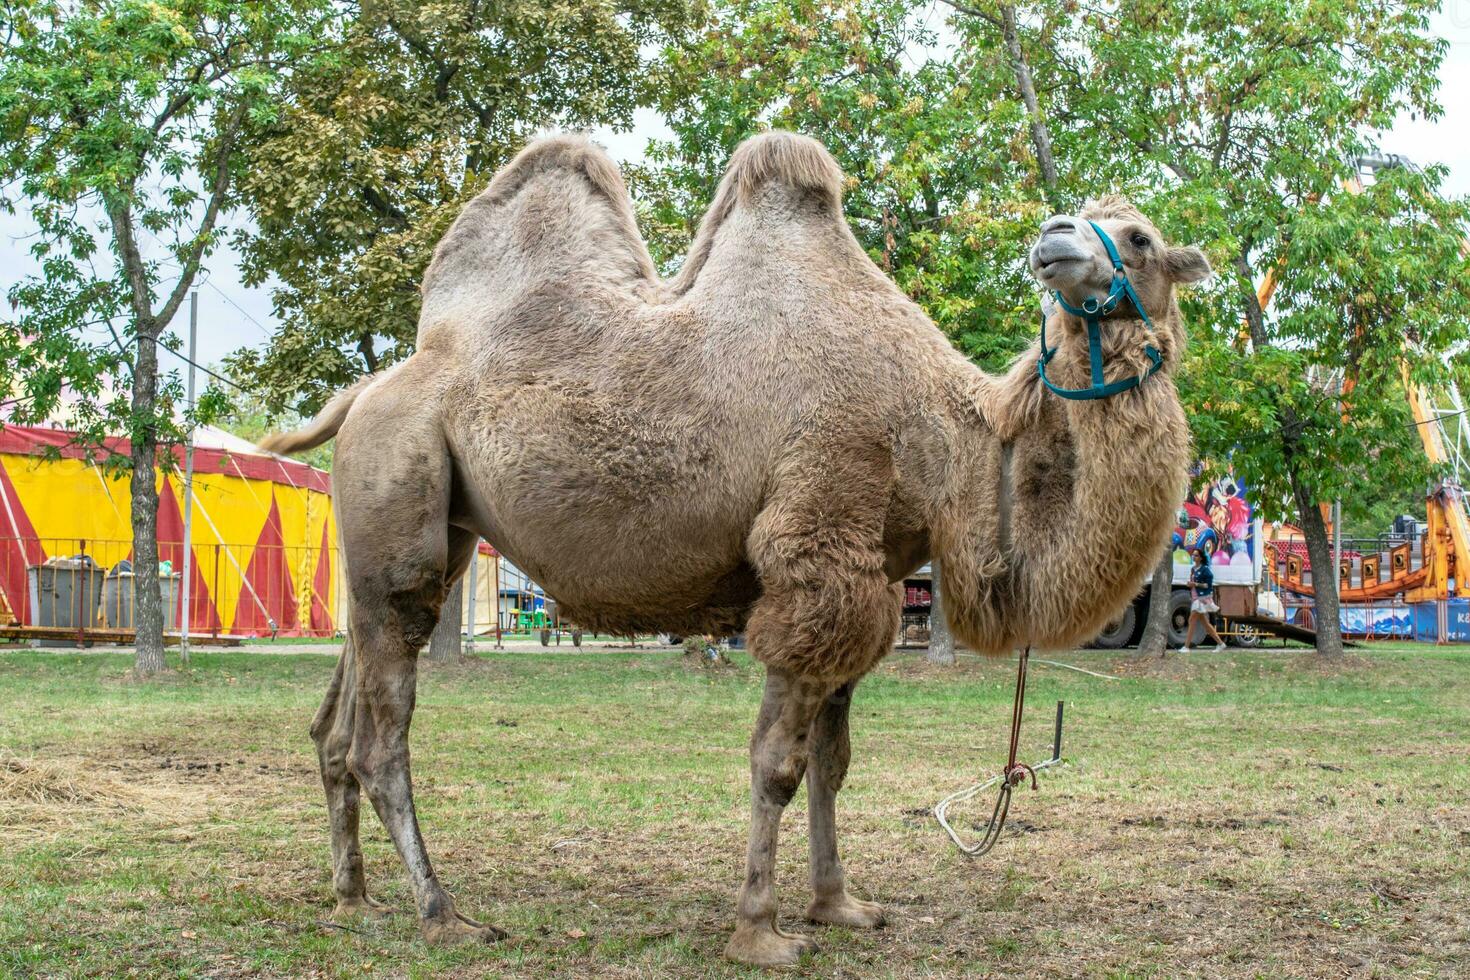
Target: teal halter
[(1092, 311)]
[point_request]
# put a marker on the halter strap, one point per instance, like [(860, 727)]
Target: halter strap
[(1091, 313)]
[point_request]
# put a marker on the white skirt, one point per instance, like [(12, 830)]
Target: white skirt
[(1203, 605)]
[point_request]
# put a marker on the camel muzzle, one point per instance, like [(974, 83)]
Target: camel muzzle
[(1092, 312)]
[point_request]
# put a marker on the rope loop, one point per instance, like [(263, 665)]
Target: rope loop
[(1016, 774)]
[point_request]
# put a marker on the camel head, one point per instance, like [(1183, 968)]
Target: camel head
[(1072, 260)]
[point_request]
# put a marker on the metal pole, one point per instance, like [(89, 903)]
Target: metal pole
[(1337, 542), (1056, 740), (469, 640), (499, 638), (188, 563), (214, 591), (76, 589)]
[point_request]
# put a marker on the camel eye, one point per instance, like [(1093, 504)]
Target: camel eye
[(1139, 240)]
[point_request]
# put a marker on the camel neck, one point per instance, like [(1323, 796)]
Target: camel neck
[(1054, 510)]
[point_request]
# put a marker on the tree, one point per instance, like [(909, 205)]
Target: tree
[(1155, 636), (121, 128), (941, 640), (1247, 117), (383, 144), (444, 645)]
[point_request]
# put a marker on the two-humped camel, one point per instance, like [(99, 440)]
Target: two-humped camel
[(768, 442)]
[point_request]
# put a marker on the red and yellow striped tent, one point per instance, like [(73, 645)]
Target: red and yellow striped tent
[(263, 535)]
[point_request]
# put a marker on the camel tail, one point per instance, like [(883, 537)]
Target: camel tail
[(322, 428)]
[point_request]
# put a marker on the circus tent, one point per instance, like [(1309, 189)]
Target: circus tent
[(263, 537)]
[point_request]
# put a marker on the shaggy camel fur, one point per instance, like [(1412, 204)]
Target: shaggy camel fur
[(767, 442)]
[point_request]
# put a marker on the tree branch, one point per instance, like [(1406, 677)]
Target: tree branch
[(369, 355), (383, 207), (1223, 142), (120, 215), (989, 18), (195, 252), (1255, 314), (1026, 86), (1040, 134)]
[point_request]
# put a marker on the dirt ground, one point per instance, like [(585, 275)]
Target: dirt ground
[(1241, 815)]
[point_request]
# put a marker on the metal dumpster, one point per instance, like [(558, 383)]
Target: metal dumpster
[(64, 594), (117, 598)]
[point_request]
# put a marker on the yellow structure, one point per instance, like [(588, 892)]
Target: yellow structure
[(263, 535)]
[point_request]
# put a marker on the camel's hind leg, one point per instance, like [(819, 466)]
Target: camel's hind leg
[(393, 486), (332, 732), (388, 643)]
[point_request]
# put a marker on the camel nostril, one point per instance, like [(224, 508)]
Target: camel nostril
[(1058, 226)]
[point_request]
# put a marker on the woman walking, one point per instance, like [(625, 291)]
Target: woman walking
[(1202, 601)]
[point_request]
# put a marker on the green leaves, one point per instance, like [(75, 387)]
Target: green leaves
[(120, 126), (384, 138), (1233, 124)]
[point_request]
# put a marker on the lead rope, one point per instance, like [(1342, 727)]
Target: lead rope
[(1012, 775), (1015, 772)]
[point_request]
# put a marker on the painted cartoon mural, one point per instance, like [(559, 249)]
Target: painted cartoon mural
[(1218, 519)]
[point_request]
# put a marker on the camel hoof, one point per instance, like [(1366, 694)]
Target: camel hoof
[(768, 946), (844, 910), (359, 907), (455, 930)]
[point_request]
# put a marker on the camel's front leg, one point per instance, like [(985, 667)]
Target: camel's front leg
[(830, 751), (778, 753)]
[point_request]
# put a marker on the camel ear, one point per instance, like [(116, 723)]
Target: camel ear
[(1187, 264)]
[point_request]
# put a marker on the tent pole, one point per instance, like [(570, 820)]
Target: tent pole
[(188, 562)]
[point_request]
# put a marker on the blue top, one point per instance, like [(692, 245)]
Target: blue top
[(1203, 580)]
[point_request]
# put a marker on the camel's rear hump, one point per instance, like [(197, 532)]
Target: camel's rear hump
[(790, 159)]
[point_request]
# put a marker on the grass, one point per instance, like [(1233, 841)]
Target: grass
[(1242, 815)]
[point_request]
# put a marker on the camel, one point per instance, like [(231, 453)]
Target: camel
[(769, 441)]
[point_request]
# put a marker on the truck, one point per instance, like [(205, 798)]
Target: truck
[(1217, 518)]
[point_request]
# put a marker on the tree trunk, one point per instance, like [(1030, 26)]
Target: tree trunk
[(148, 612), (941, 640), (1156, 631), (444, 645), (1328, 622), (1319, 550), (1040, 133)]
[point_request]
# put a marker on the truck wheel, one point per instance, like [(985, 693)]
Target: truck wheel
[(1245, 636), (1116, 634), (1178, 617)]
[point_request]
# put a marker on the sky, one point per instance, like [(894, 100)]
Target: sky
[(232, 315)]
